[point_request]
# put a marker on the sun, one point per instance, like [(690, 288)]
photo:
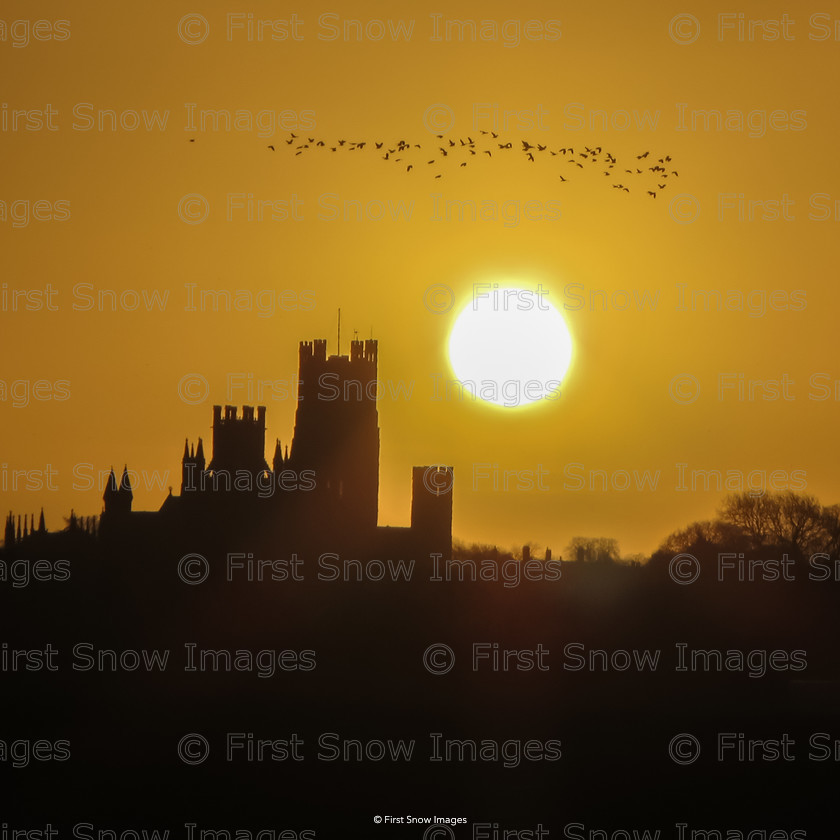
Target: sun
[(509, 346)]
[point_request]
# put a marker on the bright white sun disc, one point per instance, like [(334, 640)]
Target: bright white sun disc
[(510, 347)]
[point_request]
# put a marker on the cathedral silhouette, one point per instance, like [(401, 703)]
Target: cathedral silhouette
[(322, 494)]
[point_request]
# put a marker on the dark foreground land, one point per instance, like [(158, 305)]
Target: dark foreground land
[(562, 700)]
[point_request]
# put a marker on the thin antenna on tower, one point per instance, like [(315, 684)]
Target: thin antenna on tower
[(338, 349)]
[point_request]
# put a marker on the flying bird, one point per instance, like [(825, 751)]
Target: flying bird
[(457, 148)]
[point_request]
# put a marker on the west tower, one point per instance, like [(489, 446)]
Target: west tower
[(337, 431)]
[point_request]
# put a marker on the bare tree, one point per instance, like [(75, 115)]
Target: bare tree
[(752, 514), (791, 521), (593, 550)]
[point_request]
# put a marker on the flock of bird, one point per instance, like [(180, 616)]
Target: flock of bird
[(445, 153)]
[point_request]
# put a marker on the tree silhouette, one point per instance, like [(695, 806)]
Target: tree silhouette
[(593, 550), (796, 523)]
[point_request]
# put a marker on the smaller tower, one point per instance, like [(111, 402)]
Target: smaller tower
[(431, 509)]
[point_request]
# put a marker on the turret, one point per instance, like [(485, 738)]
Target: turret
[(192, 466), (117, 498)]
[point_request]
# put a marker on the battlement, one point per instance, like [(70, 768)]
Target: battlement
[(313, 350), (367, 351), (231, 415), (360, 351)]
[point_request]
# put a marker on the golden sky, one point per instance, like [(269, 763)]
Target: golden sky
[(745, 107)]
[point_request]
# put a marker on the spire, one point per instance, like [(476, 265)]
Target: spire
[(110, 487), (125, 483), (277, 462), (186, 449), (199, 453), (42, 527), (9, 538)]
